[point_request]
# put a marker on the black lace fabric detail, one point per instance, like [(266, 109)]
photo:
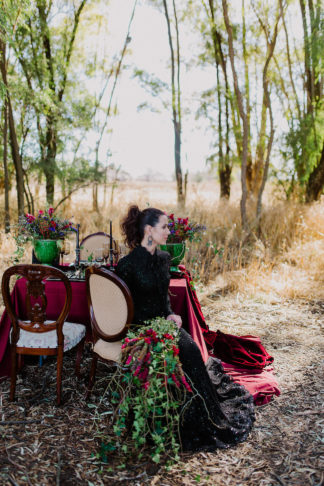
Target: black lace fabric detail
[(220, 413)]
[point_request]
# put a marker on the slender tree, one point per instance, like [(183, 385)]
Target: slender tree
[(176, 97), (5, 165), (242, 112)]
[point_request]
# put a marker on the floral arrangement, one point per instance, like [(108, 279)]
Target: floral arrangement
[(45, 226), (182, 229), (147, 392)]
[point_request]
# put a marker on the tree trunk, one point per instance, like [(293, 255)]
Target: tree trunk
[(13, 136), (176, 103), (50, 160), (5, 166), (242, 114), (249, 162), (95, 206), (224, 166), (315, 184), (308, 72), (225, 181)]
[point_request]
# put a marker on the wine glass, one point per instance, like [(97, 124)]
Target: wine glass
[(64, 246), (106, 251), (99, 255)]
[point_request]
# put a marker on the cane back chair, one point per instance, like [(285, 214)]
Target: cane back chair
[(36, 335), (97, 240), (111, 312)]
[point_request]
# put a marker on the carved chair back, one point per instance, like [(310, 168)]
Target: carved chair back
[(36, 301), (110, 304)]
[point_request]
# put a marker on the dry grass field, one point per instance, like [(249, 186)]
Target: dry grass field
[(268, 283)]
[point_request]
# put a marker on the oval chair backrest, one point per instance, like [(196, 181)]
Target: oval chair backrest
[(111, 309), (91, 243)]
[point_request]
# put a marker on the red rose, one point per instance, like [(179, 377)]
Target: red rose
[(40, 212), (171, 216), (175, 350)]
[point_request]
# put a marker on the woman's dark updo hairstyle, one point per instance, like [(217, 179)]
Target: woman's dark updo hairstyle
[(133, 224)]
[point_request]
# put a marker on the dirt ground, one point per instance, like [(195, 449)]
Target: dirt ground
[(42, 444)]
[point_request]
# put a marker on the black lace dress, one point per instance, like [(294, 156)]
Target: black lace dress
[(221, 414)]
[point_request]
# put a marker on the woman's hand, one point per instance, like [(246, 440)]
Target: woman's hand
[(175, 318)]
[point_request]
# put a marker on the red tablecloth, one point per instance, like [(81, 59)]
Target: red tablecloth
[(55, 293), (261, 383)]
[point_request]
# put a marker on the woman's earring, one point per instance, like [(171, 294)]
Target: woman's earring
[(150, 240)]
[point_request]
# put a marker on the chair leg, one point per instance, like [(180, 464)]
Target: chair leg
[(59, 374), (20, 363), (13, 373), (92, 375), (78, 357)]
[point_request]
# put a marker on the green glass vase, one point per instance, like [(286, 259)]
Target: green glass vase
[(46, 251), (177, 252)]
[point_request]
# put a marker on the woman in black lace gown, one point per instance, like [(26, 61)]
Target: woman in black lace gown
[(222, 412)]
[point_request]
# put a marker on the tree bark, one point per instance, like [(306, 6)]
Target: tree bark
[(315, 183)]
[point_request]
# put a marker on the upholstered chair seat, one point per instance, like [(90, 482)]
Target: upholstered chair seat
[(73, 334), (108, 351)]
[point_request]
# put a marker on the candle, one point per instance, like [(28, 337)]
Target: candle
[(111, 255), (77, 236), (77, 247)]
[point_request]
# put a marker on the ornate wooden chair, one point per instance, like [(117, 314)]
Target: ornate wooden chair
[(94, 241), (111, 312), (36, 335)]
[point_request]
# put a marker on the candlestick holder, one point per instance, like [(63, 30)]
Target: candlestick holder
[(77, 247), (111, 249)]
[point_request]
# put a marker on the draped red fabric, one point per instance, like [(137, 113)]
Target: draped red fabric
[(261, 384), (245, 351), (244, 358)]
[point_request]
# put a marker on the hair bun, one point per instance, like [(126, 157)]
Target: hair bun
[(134, 211)]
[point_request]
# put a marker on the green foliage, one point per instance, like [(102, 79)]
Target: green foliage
[(304, 143)]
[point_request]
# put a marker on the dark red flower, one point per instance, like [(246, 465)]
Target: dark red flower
[(175, 350)]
